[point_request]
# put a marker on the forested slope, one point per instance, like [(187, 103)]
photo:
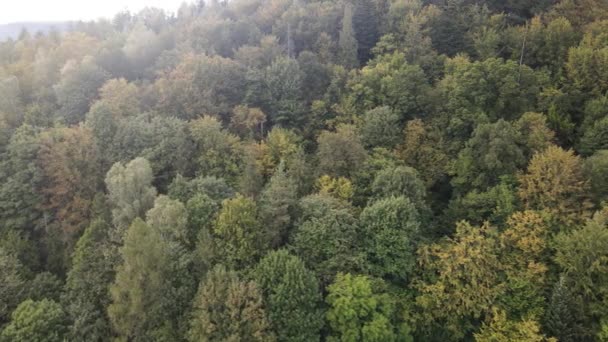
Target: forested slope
[(300, 170)]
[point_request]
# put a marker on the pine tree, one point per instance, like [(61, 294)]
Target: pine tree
[(86, 291), (563, 316), (277, 204), (348, 45), (365, 23)]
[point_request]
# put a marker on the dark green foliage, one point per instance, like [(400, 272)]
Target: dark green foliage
[(277, 206), (291, 295), (328, 244), (86, 291), (564, 313), (493, 151), (365, 21), (381, 128), (391, 232), (401, 181), (12, 284), (596, 170), (19, 199)]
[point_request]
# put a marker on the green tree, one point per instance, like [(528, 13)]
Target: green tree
[(78, 88), (594, 138), (493, 151), (152, 286), (170, 218), (596, 171), (277, 205), (501, 329), (86, 290), (228, 309), (401, 181), (340, 153), (130, 191), (238, 232), (291, 296), (329, 244), (359, 312), (42, 321), (217, 152), (348, 53), (564, 313), (12, 284), (391, 229), (380, 128), (389, 80), (20, 200), (365, 21), (581, 254)]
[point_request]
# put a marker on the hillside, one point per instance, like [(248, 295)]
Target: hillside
[(13, 30), (308, 170)]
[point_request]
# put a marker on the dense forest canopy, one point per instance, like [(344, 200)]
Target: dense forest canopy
[(301, 170)]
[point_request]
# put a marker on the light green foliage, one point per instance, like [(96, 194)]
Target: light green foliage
[(170, 218), (391, 231), (130, 191), (390, 81), (358, 312), (465, 278), (240, 239), (477, 92), (502, 329), (582, 256), (291, 295), (229, 309), (42, 321), (151, 287), (217, 152)]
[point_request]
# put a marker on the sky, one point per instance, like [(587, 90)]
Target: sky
[(61, 10)]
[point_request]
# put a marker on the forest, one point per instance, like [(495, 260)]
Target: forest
[(308, 170)]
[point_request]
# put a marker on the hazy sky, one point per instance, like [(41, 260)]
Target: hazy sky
[(59, 10)]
